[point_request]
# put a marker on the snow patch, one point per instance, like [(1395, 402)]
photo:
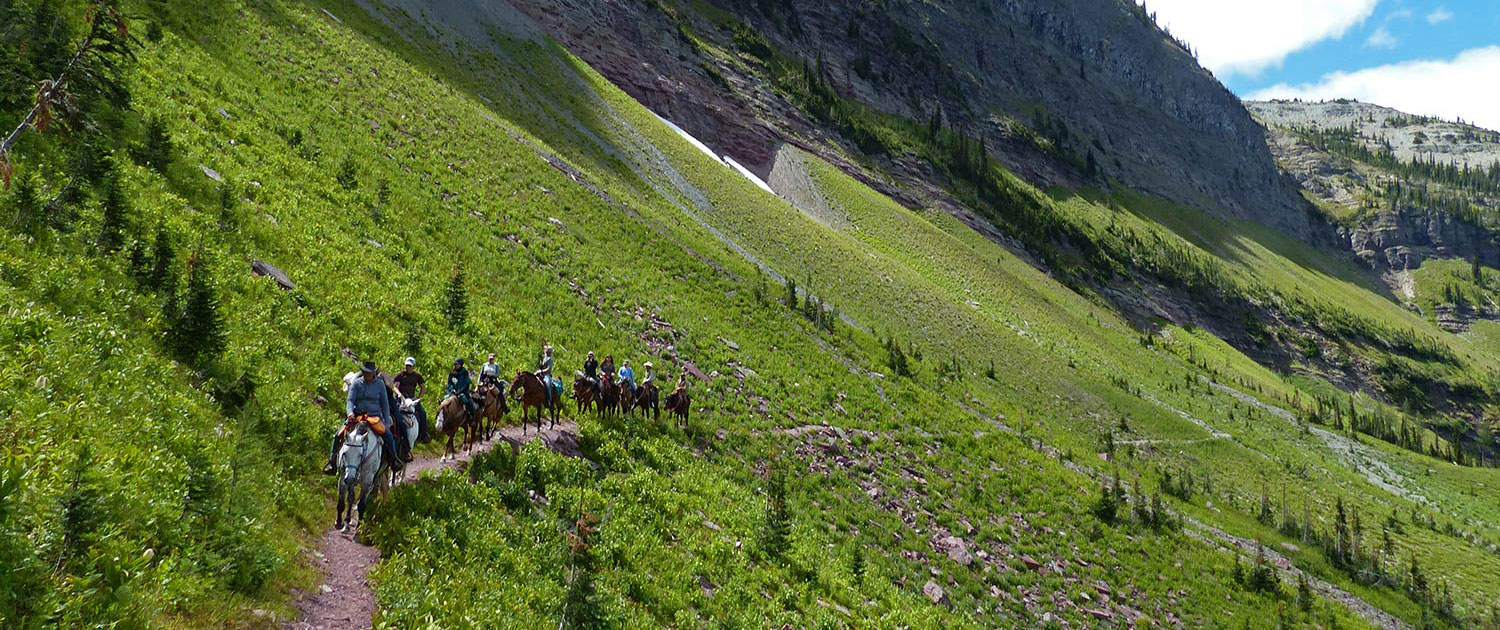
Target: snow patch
[(748, 175), (725, 160)]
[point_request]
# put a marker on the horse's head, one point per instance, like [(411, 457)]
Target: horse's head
[(409, 405), (352, 454), (518, 384), (349, 380)]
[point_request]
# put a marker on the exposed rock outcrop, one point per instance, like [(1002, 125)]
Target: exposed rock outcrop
[(1402, 239), (1090, 77)]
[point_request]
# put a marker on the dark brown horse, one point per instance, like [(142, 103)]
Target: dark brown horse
[(452, 416), (528, 389), (492, 408), (678, 404), (609, 396), (645, 400), (583, 392), (627, 399)]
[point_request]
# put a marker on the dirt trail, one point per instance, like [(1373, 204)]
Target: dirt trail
[(345, 599)]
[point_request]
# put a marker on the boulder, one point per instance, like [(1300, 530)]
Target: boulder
[(263, 268), (935, 593)]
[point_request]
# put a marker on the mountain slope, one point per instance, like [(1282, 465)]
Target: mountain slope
[(372, 149), (1052, 88), (1417, 197)]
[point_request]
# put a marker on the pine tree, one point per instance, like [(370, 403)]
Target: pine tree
[(348, 174), (791, 293), (196, 332), (1304, 593), (413, 343), (456, 304), (581, 606), (163, 276), (156, 148), (778, 523), (113, 223)]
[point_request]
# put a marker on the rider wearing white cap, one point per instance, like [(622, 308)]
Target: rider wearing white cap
[(489, 373), (410, 385)]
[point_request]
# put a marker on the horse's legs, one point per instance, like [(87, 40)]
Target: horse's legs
[(338, 516)]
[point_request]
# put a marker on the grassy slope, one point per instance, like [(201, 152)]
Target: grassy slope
[(466, 187)]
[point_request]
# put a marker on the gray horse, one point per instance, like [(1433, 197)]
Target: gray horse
[(408, 414), (361, 466)]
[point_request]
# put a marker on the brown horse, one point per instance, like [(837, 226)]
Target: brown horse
[(452, 416), (583, 392), (678, 404), (492, 408), (528, 389), (609, 396), (645, 400)]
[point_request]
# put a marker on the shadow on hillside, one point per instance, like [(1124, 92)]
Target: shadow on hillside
[(1233, 241), (524, 79), (527, 83)]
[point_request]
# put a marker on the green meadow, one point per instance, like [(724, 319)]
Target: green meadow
[(816, 484)]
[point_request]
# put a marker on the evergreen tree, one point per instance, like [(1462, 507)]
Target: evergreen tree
[(348, 174), (140, 264), (1304, 593), (113, 223), (413, 343), (196, 332), (456, 302), (163, 276), (156, 148), (581, 605), (778, 522), (791, 293)]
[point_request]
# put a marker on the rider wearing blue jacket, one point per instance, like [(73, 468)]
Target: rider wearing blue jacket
[(367, 396), (627, 377)]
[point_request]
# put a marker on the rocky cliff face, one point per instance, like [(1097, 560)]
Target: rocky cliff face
[(1401, 240), (1327, 148), (1092, 77)]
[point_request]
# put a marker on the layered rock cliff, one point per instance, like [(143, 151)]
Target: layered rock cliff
[(1097, 81), (1404, 188)]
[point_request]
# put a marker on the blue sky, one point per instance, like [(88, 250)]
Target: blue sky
[(1436, 57)]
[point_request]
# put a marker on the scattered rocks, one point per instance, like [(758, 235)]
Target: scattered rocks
[(211, 173), (935, 593)]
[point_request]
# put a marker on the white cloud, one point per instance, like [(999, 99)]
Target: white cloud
[(1442, 14), (1381, 38), (1461, 87), (1248, 36)]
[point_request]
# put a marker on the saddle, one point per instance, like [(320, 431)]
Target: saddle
[(375, 423)]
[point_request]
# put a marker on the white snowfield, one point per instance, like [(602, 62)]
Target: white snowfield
[(726, 160)]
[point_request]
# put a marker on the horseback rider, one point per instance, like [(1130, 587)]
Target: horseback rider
[(627, 377), (367, 397), (411, 385), (607, 368), (460, 385), (649, 376), (397, 425), (489, 373), (591, 372), (544, 372), (681, 382)]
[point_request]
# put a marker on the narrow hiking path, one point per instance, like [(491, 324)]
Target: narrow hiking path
[(345, 599)]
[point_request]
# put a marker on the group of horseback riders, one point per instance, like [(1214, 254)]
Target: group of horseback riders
[(379, 400)]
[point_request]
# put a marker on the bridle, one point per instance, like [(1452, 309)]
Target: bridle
[(363, 433)]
